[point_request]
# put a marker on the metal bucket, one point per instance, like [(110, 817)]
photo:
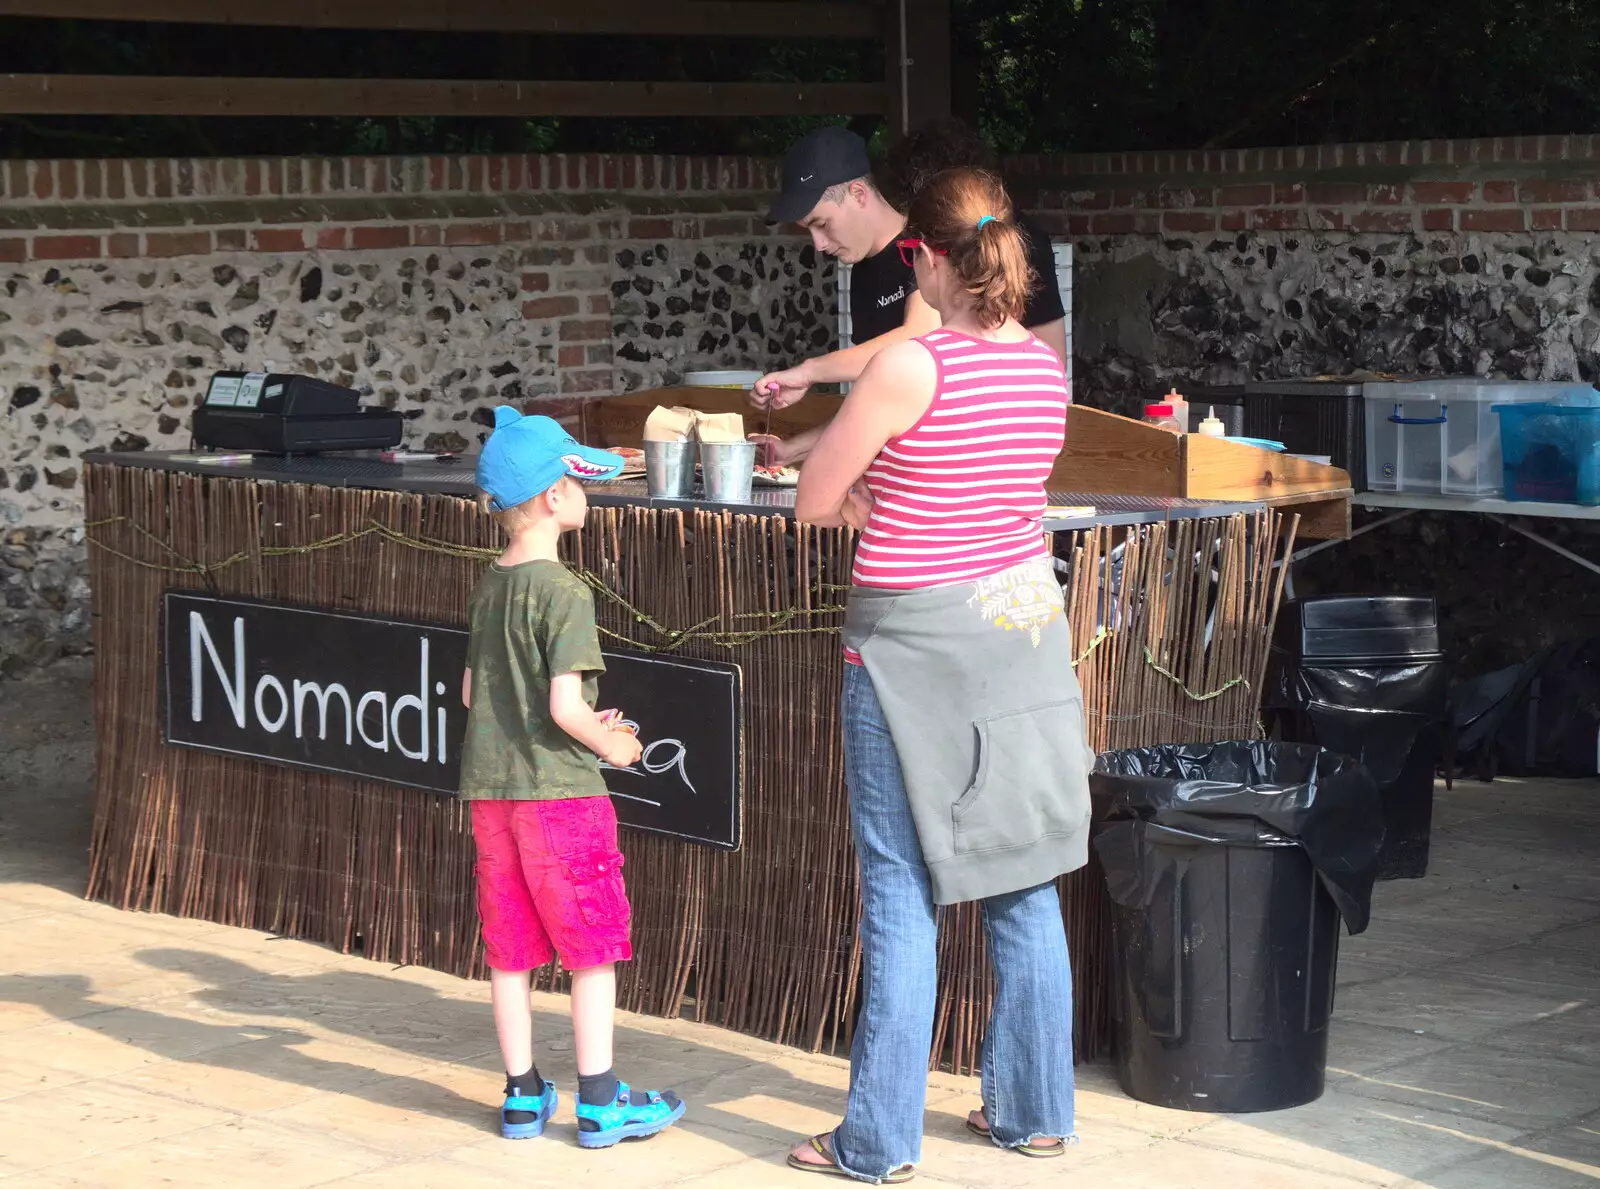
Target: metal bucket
[(729, 469), (669, 469)]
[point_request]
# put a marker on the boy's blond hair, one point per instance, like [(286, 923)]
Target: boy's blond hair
[(518, 516)]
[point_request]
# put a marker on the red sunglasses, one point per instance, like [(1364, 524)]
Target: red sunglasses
[(908, 250)]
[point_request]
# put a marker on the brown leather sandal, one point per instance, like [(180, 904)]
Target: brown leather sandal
[(1036, 1149), (831, 1169)]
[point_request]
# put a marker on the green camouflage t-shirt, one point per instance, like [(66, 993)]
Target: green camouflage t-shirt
[(528, 623)]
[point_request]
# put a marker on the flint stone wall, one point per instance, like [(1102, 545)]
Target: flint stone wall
[(436, 286)]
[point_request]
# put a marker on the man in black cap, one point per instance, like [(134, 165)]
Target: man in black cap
[(829, 191)]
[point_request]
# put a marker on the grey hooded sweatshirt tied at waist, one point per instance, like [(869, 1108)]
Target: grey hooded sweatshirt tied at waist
[(977, 686)]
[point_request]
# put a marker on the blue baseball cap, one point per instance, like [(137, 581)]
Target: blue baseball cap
[(526, 456)]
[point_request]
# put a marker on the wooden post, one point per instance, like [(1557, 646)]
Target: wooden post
[(916, 40)]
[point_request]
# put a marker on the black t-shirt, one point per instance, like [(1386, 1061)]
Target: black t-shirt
[(1044, 303), (880, 285)]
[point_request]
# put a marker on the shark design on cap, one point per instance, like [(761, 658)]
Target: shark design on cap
[(580, 468)]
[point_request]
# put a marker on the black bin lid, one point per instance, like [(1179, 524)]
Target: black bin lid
[(1334, 387), (1348, 627)]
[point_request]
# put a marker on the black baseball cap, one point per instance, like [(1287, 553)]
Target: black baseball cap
[(826, 157)]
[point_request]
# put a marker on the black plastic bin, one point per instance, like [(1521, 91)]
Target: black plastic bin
[(1326, 417), (1229, 867), (1364, 677)]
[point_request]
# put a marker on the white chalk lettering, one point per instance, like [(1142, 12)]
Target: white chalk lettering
[(200, 635), (415, 724), (420, 705), (323, 695), (676, 756), (663, 755), (271, 726), (443, 734), (382, 701)]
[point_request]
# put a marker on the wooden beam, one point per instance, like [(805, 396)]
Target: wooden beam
[(838, 19), (928, 71), (143, 95)]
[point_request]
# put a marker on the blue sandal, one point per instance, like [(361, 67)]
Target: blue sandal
[(624, 1118), (540, 1108)]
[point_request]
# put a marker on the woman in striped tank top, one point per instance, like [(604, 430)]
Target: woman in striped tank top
[(965, 746)]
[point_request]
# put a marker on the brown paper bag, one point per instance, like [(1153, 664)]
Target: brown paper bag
[(669, 425), (719, 427)]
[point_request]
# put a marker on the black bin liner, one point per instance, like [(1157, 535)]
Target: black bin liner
[(1230, 866), (1364, 677)]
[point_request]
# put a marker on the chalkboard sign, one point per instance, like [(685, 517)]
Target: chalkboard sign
[(380, 699), (687, 716)]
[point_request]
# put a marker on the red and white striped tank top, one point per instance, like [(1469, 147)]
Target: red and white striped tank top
[(960, 495)]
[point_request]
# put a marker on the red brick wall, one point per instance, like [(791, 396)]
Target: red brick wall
[(1504, 184), (297, 204)]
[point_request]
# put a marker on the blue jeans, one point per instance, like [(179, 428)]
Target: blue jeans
[(1027, 1051)]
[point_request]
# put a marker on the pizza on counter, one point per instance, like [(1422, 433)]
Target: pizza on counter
[(778, 476), (632, 459)]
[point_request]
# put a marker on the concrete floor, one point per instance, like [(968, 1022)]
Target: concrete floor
[(139, 1050)]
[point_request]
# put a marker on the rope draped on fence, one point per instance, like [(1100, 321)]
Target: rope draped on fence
[(667, 639)]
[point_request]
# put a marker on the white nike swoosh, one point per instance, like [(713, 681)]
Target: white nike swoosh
[(808, 177)]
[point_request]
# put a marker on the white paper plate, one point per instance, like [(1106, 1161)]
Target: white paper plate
[(744, 380)]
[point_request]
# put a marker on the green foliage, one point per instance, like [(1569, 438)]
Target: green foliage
[(1101, 75)]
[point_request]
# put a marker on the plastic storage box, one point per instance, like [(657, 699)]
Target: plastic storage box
[(1442, 435), (1551, 453)]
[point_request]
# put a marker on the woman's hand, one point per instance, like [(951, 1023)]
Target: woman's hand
[(857, 507)]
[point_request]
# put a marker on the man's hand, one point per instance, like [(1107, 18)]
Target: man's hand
[(779, 390), (623, 749), (772, 451), (787, 452)]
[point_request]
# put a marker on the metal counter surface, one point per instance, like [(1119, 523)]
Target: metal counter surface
[(368, 470)]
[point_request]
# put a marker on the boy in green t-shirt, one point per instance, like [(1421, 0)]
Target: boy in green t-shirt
[(549, 872)]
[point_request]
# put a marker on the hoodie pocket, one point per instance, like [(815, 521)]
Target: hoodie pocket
[(1032, 779)]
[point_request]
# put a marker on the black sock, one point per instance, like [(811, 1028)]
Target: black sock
[(601, 1090), (525, 1085), (598, 1089)]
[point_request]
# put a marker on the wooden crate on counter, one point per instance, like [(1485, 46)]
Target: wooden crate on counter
[(1105, 453)]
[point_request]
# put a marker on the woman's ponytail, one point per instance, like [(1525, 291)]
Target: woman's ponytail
[(966, 214)]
